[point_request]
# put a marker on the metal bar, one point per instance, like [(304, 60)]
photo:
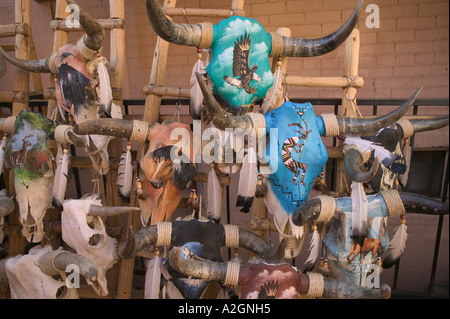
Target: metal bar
[(439, 232)]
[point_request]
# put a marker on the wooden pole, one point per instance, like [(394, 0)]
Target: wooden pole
[(16, 242), (60, 38), (349, 106)]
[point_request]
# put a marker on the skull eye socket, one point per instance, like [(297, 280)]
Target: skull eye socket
[(156, 184)]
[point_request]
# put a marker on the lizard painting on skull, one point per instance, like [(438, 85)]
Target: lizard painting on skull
[(292, 144)]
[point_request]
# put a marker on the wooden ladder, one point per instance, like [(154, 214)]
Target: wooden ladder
[(24, 49)]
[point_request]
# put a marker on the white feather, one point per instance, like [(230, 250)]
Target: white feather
[(125, 174), (248, 180), (385, 157), (153, 278), (406, 150), (105, 96), (396, 246), (2, 153), (196, 100), (60, 181), (214, 200), (280, 215), (359, 210), (270, 100), (314, 251)]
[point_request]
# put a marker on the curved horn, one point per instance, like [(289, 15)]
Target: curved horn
[(415, 203), (2, 65), (202, 269), (183, 34), (37, 66), (105, 211), (219, 117), (353, 160), (94, 31), (250, 241), (135, 242), (294, 47), (358, 126), (423, 125), (54, 262), (308, 211)]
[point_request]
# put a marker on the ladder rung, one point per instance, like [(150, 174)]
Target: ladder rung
[(337, 82), (10, 30), (107, 24), (207, 13), (161, 90)]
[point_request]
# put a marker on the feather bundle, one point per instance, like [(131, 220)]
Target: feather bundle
[(60, 181), (270, 101), (384, 156), (105, 96), (406, 150), (247, 181), (125, 174), (153, 278), (196, 101), (314, 250), (2, 153), (396, 246), (214, 201), (359, 211)]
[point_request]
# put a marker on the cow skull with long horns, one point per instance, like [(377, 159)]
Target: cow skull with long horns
[(205, 238), (83, 87), (165, 170), (392, 146), (239, 67), (295, 153), (350, 257)]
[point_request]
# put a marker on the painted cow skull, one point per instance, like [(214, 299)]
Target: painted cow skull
[(349, 259), (392, 140), (295, 152), (167, 167), (82, 88), (84, 230), (264, 279), (239, 67), (30, 153), (41, 273), (205, 238)]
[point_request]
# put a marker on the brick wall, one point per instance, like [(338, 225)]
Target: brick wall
[(411, 47)]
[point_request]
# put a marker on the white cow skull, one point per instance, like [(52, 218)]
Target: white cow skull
[(84, 230), (32, 276)]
